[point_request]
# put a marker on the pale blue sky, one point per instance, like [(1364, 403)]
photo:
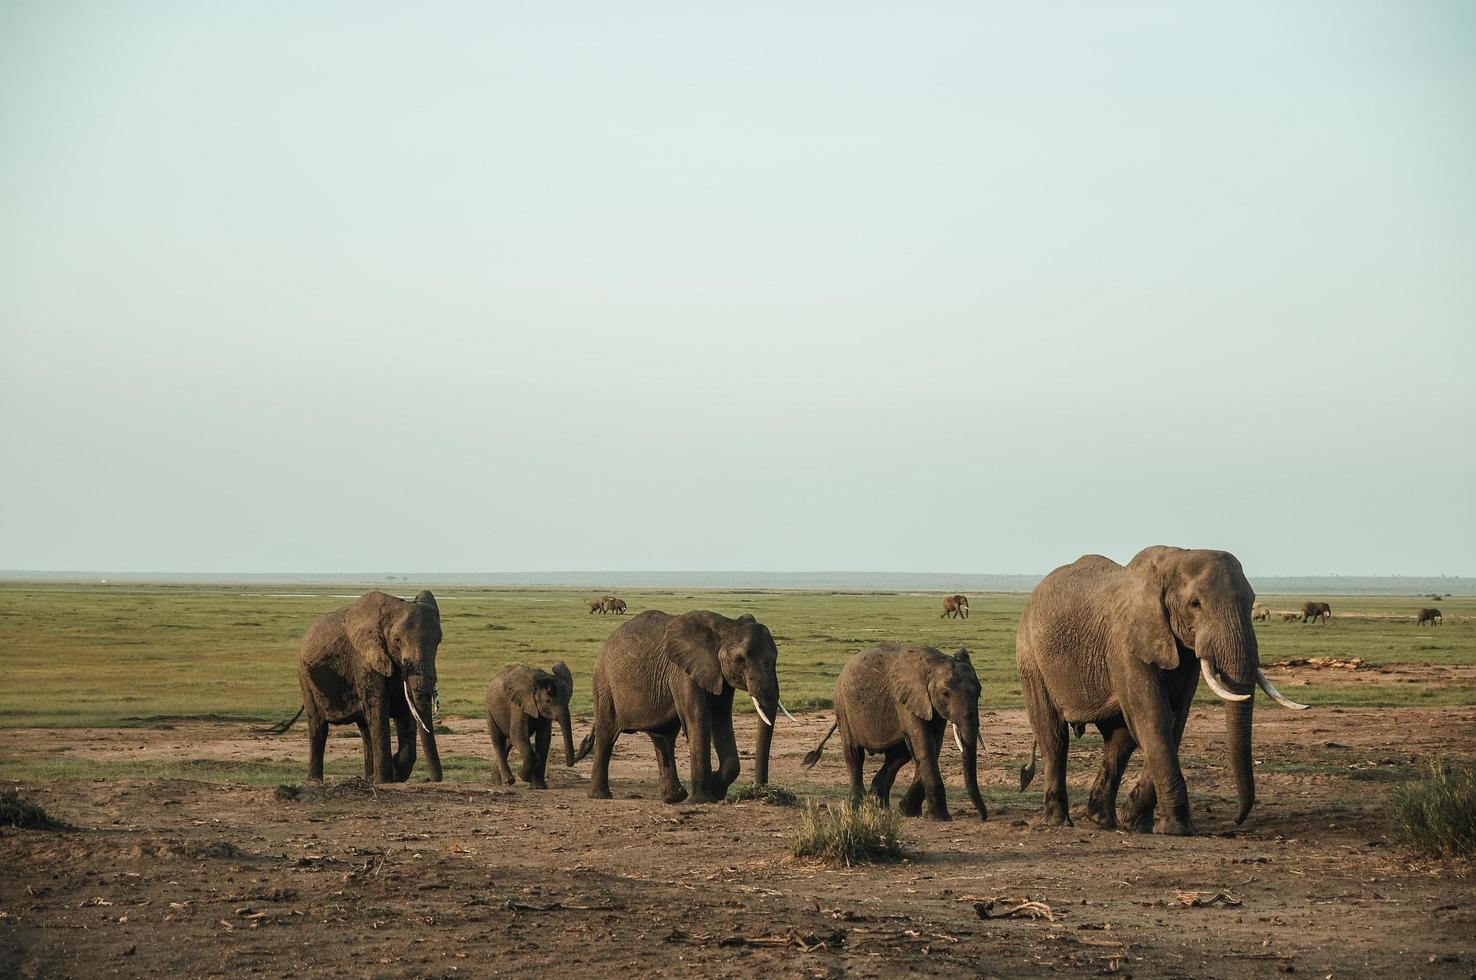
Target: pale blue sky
[(793, 286)]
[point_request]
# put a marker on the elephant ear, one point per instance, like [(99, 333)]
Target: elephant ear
[(364, 625), (692, 645), (910, 688), (425, 598), (1142, 628), (518, 686), (566, 679)]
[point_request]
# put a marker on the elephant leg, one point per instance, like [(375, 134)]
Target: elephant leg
[(855, 756), (379, 740), (1117, 748), (672, 790), (881, 784), (368, 750), (501, 772), (405, 752), (528, 763), (726, 746), (1143, 799), (1050, 732), (1151, 720), (699, 755), (540, 745), (926, 749), (317, 743)]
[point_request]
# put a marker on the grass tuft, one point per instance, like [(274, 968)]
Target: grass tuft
[(768, 793), (17, 811), (1436, 815), (847, 834)]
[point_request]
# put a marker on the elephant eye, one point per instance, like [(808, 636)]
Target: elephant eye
[(1193, 603)]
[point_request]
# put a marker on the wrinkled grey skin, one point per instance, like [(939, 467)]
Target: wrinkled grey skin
[(897, 701), (1315, 611), (955, 605), (1431, 616), (522, 705), (1120, 648), (354, 667), (663, 674)]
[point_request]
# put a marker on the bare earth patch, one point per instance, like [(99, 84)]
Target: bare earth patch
[(463, 879)]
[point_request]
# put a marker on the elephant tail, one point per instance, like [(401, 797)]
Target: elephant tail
[(813, 756), (585, 747), (1027, 773), (281, 726)]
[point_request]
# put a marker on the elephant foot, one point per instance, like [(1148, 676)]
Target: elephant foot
[(676, 795), (539, 784), (703, 796), (910, 808), (939, 815), (1138, 821), (1174, 827), (1102, 815), (599, 793), (1053, 817)]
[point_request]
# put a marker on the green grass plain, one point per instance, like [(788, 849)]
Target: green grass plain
[(134, 655)]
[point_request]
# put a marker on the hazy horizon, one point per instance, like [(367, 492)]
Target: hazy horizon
[(779, 288)]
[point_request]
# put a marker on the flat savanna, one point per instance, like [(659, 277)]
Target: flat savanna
[(195, 848)]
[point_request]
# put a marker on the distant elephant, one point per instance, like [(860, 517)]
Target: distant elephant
[(897, 701), (1124, 648), (1290, 617), (1260, 613), (371, 663), (601, 605), (1431, 616), (1316, 610), (616, 606), (955, 605), (663, 674), (522, 705)]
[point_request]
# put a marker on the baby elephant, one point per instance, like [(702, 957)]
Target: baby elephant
[(896, 701), (522, 704)]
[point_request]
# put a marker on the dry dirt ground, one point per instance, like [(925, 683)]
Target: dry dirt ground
[(183, 878)]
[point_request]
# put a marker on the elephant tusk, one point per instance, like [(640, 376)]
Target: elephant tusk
[(786, 712), (956, 740), (411, 702), (767, 720), (1217, 686), (1276, 695)]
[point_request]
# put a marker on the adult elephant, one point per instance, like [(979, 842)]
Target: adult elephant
[(1431, 616), (368, 664), (1260, 613), (955, 605), (896, 701), (522, 705), (1124, 648), (600, 605), (663, 674), (1315, 611), (616, 606)]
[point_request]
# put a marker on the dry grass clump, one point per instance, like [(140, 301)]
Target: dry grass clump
[(768, 793), (848, 834), (17, 811), (1436, 815)]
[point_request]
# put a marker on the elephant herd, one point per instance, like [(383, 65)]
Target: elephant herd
[(607, 604), (1122, 648)]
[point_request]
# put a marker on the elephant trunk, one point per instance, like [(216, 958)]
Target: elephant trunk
[(762, 741), (1232, 654), (568, 729), (969, 737), (424, 704), (763, 688)]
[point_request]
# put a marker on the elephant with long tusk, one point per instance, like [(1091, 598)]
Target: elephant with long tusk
[(662, 674), (370, 664), (1124, 648)]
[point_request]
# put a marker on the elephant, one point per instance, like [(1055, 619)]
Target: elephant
[(371, 663), (1290, 617), (616, 606), (1316, 610), (522, 705), (1431, 616), (662, 674), (600, 605), (1260, 613), (896, 701), (955, 605), (1124, 648)]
